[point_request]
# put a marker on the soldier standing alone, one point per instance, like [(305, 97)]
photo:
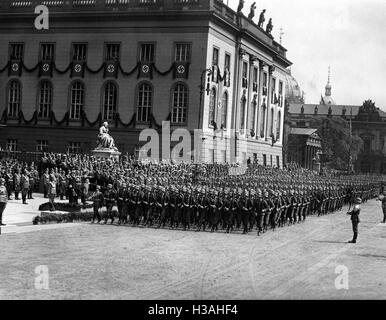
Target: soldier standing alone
[(354, 213)]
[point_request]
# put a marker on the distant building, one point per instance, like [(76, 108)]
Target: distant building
[(368, 122), (136, 64)]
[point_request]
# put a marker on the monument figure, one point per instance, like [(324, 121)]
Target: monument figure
[(105, 141), (252, 11), (241, 6), (269, 26), (261, 19)]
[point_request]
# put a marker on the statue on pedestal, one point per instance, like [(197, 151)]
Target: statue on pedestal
[(105, 141)]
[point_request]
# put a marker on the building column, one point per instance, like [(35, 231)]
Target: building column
[(268, 111), (260, 98)]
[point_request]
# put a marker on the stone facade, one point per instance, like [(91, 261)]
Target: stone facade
[(198, 35)]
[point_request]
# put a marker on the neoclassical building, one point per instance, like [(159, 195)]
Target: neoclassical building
[(136, 64)]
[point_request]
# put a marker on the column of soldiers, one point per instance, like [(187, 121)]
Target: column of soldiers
[(250, 202), (191, 196)]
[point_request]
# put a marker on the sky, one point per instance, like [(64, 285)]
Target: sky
[(347, 35)]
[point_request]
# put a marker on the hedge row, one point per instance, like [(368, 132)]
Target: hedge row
[(65, 206), (52, 217)]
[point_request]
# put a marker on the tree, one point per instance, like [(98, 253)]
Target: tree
[(336, 141)]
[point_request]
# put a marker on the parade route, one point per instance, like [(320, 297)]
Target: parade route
[(87, 261)]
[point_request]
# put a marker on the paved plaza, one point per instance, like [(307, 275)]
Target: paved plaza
[(87, 261)]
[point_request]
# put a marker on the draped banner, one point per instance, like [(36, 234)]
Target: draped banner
[(111, 69), (77, 69), (45, 69), (14, 68), (181, 70), (145, 70)]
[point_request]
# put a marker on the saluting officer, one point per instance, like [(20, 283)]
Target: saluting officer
[(354, 213)]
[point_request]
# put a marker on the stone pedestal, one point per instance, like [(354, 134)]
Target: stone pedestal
[(106, 154)]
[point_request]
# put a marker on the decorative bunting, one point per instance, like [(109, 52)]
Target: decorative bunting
[(111, 69), (77, 69), (14, 68), (145, 70), (45, 69), (181, 70)]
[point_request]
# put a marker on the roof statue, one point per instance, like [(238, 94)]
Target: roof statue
[(269, 26), (261, 19), (252, 11), (241, 6)]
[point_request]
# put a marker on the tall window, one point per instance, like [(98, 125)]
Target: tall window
[(262, 120), (272, 121), (42, 146), (144, 102), (224, 110), (74, 147), (253, 113), (14, 98), (47, 51), (227, 61), (12, 144), (79, 51), (265, 83), (180, 104), (183, 52), (16, 51), (212, 106), (147, 52), (77, 100), (215, 57), (109, 101), (242, 113), (278, 126), (45, 99), (255, 79), (245, 75), (273, 90), (112, 51), (281, 99)]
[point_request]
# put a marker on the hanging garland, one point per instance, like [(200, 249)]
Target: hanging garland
[(4, 68), (179, 69)]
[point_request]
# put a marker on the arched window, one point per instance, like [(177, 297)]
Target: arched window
[(278, 126), (212, 106), (45, 99), (242, 113), (110, 95), (272, 122), (180, 103), (224, 110), (77, 99), (144, 102), (14, 98)]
